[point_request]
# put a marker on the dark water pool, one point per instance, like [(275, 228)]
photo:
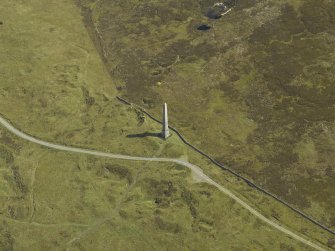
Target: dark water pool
[(204, 27)]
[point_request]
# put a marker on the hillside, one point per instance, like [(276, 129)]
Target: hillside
[(56, 87), (261, 76)]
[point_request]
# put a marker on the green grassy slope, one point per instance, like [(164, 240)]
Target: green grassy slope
[(54, 86), (52, 200)]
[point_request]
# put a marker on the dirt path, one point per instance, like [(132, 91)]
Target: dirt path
[(195, 170)]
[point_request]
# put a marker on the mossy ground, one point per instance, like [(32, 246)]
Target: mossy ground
[(54, 86), (262, 77), (53, 200)]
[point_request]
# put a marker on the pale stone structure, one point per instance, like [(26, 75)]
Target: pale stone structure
[(165, 129)]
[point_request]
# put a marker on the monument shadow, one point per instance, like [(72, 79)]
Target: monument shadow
[(144, 135)]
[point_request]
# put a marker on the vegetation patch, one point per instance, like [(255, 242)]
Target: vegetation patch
[(61, 92), (261, 77)]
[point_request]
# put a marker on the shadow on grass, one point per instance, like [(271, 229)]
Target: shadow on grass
[(144, 135)]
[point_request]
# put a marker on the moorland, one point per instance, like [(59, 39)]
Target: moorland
[(255, 89), (56, 84)]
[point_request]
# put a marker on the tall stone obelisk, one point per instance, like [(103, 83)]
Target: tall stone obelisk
[(165, 129)]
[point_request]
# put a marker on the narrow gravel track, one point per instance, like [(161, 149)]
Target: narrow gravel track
[(195, 169)]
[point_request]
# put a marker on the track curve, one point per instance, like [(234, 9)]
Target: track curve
[(195, 169)]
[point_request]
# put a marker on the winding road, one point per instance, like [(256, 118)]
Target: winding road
[(197, 171)]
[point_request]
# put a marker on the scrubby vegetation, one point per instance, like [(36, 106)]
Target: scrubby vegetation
[(53, 85), (262, 77), (79, 202)]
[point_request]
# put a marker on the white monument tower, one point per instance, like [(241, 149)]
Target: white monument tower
[(165, 130)]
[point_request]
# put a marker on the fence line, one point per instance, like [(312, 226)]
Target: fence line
[(249, 182)]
